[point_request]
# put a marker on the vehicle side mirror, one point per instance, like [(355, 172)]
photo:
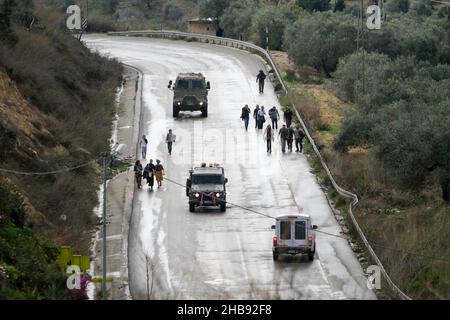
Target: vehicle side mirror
[(314, 227), (273, 227), (170, 84), (208, 85), (226, 180)]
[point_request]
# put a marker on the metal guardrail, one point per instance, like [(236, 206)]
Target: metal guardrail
[(252, 48)]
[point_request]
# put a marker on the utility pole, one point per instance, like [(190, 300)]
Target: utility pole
[(87, 10), (267, 38), (104, 160), (362, 46)]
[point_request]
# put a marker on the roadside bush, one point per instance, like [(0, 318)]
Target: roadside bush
[(28, 268)]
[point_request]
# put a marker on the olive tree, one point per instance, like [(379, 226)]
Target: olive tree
[(404, 117), (320, 39), (236, 20), (274, 20)]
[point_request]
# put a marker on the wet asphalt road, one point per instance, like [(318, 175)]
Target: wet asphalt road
[(207, 254)]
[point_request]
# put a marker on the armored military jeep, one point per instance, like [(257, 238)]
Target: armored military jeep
[(190, 93), (205, 187)]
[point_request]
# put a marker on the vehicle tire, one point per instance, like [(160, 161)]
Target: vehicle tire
[(191, 207), (275, 255), (223, 207), (175, 111), (311, 254), (205, 112)]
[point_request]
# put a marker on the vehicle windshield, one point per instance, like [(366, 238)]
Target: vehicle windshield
[(207, 178), (183, 84), (197, 85)]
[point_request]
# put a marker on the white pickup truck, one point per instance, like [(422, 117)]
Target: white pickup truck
[(294, 234)]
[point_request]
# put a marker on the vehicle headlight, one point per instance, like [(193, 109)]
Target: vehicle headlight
[(201, 103), (179, 103), (197, 195), (218, 195)]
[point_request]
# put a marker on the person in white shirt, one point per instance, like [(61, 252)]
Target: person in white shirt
[(144, 143)]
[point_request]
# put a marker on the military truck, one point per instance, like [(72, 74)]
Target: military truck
[(205, 187), (190, 93)]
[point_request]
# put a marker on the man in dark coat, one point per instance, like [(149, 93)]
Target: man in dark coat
[(283, 133), (288, 117), (245, 116), (255, 115), (260, 78)]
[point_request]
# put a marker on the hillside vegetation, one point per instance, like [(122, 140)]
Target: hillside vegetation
[(56, 106)]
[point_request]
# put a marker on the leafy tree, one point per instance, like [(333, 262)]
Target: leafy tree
[(339, 5), (315, 5), (109, 6), (172, 12), (274, 20), (213, 8), (6, 31), (422, 9), (23, 13), (320, 39), (398, 5), (237, 19)]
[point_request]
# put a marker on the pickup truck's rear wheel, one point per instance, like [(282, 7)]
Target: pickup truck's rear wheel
[(176, 111), (191, 207), (205, 112), (275, 255), (311, 254)]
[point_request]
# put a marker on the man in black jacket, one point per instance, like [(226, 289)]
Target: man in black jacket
[(260, 79), (245, 116), (283, 133), (288, 117)]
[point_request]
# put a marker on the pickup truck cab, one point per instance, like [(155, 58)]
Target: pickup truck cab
[(294, 234)]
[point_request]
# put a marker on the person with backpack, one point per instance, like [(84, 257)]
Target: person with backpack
[(260, 78), (290, 138), (288, 117), (274, 115), (144, 144), (268, 135), (149, 174), (245, 116), (299, 135), (283, 133), (138, 173)]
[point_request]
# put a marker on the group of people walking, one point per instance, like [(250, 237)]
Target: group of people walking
[(288, 133), (152, 171), (149, 173)]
